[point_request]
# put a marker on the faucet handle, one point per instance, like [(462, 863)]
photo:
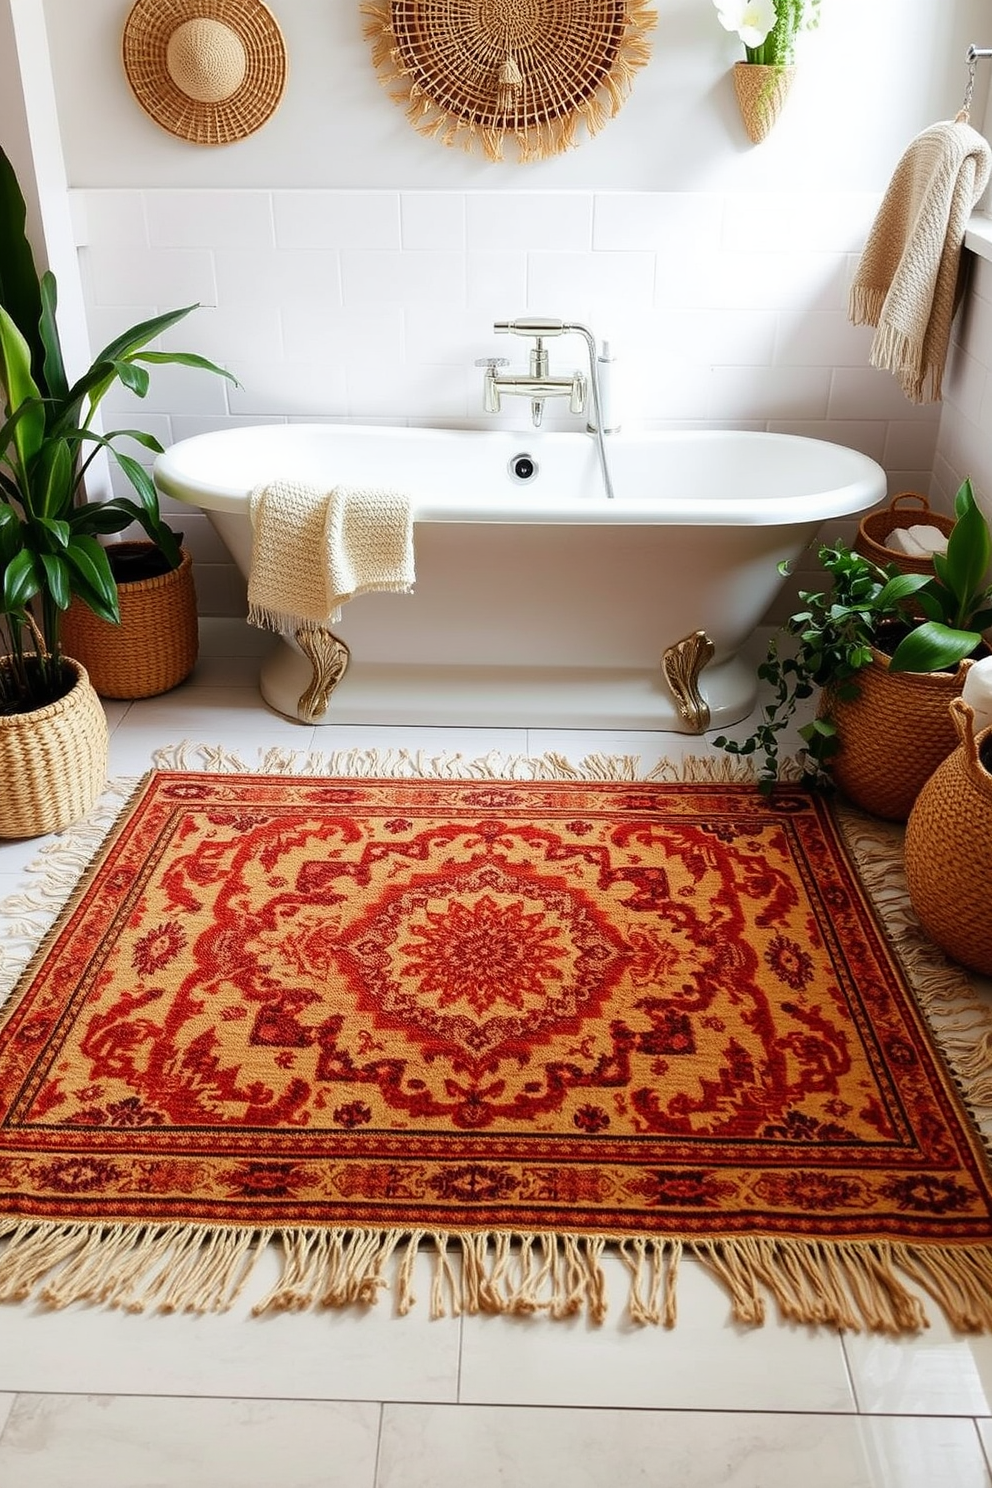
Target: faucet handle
[(492, 362)]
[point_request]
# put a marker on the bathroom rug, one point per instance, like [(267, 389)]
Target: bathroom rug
[(511, 1019)]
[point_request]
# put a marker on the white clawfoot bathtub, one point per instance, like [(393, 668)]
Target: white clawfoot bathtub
[(539, 602)]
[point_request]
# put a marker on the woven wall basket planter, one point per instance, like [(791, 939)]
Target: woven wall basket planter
[(949, 848), (53, 762), (478, 72), (761, 94), (908, 509), (155, 646), (894, 735)]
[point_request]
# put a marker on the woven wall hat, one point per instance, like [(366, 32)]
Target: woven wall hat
[(481, 71), (209, 71)]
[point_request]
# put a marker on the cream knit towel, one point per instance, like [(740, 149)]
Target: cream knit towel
[(314, 550), (906, 283)]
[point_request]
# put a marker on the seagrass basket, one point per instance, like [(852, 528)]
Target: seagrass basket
[(949, 848), (761, 93), (908, 509), (893, 736), (53, 762), (155, 646)]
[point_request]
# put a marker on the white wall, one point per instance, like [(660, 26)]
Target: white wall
[(349, 268), (965, 445)]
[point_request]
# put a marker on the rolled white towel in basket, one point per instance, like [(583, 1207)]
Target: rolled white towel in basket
[(314, 550)]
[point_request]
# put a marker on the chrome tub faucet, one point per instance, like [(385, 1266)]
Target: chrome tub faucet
[(537, 384)]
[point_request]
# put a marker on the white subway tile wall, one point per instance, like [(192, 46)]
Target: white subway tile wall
[(724, 310), (965, 446)]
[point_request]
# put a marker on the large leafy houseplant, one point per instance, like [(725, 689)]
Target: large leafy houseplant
[(49, 532), (925, 623)]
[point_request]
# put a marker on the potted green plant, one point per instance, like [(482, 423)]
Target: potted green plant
[(889, 651), (50, 551), (768, 29)]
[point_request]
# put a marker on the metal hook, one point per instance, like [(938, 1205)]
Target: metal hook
[(974, 54)]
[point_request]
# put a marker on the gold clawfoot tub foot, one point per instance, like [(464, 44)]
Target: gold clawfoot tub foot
[(329, 658), (682, 664)]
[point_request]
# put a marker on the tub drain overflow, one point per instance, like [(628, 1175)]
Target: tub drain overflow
[(523, 468)]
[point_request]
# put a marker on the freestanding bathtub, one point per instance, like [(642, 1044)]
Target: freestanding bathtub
[(537, 600)]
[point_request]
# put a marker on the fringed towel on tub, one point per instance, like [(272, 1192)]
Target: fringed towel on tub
[(313, 550), (906, 282)]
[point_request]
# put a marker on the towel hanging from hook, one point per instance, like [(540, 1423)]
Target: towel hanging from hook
[(974, 55)]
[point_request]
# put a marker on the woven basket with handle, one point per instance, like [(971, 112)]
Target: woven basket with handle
[(908, 509), (53, 762), (155, 646), (893, 736), (949, 848)]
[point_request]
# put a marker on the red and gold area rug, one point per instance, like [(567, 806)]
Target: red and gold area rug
[(511, 1021)]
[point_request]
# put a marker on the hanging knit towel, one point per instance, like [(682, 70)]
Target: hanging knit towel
[(906, 282), (314, 550)]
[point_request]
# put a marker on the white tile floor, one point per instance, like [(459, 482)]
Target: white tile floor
[(97, 1399)]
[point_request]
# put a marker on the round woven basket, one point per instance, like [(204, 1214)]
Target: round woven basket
[(155, 646), (53, 762), (893, 736), (908, 509), (949, 848)]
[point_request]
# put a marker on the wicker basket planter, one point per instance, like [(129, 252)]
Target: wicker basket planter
[(949, 848), (53, 762), (894, 735), (908, 509), (761, 93), (155, 646)]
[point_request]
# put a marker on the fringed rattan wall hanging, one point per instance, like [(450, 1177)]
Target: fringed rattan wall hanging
[(476, 72)]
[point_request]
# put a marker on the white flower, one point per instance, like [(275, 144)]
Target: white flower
[(751, 19)]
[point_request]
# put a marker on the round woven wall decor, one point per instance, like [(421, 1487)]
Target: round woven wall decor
[(476, 72), (209, 71)]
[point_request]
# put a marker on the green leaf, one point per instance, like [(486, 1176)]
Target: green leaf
[(137, 336), (103, 517), (134, 378), (901, 587), (188, 359), (20, 294), (92, 579), (933, 647), (54, 368), (15, 373), (969, 549), (60, 531), (57, 576), (20, 582), (53, 479)]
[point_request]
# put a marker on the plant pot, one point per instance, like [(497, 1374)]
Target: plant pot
[(893, 736), (761, 94), (155, 646), (53, 762), (949, 848)]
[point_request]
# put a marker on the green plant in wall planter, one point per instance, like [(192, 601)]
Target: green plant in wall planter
[(874, 630), (768, 29), (49, 547)]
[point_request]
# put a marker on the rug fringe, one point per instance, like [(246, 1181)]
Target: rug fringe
[(850, 1285)]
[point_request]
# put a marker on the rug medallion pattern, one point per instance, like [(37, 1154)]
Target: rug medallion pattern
[(600, 1009)]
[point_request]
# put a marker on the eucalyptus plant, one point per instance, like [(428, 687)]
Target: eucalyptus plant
[(49, 531), (938, 618)]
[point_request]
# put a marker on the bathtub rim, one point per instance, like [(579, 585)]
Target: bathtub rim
[(865, 487)]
